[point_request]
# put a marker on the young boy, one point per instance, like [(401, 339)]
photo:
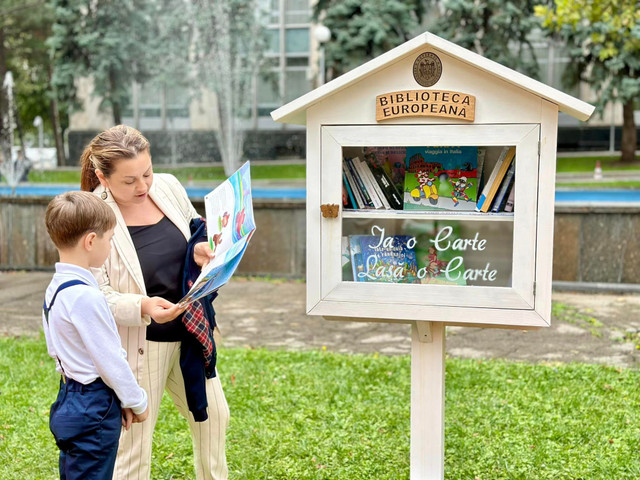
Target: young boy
[(98, 392)]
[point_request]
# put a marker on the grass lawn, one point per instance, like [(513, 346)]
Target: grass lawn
[(320, 415), (258, 172), (587, 164), (600, 185)]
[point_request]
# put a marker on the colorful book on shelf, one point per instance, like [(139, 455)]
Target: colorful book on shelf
[(391, 160), (345, 260), (355, 251), (441, 178), (391, 261), (433, 265), (359, 181), (379, 202), (347, 189), (495, 179), (482, 152), (390, 195), (509, 206), (353, 187), (501, 196)]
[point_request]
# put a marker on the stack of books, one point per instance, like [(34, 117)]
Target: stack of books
[(430, 178)]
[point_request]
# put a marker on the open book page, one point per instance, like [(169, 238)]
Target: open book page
[(230, 225)]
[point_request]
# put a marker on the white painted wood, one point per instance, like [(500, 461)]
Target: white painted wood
[(519, 296), (464, 316), (546, 192), (427, 404), (526, 206), (424, 332), (314, 187), (421, 294), (296, 111)]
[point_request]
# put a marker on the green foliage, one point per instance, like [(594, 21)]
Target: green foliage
[(102, 39), (363, 29), (24, 27), (321, 415), (603, 37), (495, 29)]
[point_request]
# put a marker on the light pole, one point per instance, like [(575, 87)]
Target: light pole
[(322, 35), (37, 122)]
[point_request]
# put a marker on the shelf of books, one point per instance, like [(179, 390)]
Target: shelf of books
[(429, 215)]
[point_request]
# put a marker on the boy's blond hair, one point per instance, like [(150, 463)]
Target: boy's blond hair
[(71, 215)]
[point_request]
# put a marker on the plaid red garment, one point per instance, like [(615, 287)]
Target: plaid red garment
[(198, 325)]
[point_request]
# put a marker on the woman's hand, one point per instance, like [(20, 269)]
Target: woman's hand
[(161, 310), (202, 254)]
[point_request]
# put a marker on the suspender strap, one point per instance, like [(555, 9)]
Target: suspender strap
[(46, 310), (64, 285)]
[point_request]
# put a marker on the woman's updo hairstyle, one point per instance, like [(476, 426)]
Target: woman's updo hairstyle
[(117, 143)]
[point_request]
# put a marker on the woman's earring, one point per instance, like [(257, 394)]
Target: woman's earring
[(104, 195)]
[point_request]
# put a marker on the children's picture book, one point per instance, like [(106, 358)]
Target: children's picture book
[(439, 178), (391, 261), (433, 265), (230, 226)]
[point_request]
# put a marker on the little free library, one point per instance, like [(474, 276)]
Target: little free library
[(430, 201)]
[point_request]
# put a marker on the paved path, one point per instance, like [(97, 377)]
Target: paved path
[(271, 314)]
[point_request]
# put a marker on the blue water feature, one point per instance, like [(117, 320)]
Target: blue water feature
[(562, 196)]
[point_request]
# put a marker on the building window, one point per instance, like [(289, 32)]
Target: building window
[(289, 49)]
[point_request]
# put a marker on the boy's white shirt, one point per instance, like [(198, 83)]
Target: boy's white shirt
[(83, 336), (121, 279)]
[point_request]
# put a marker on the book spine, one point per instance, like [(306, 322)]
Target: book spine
[(376, 187), (354, 187), (487, 185), (508, 207), (388, 189), (498, 179), (363, 190), (348, 189), (506, 183), (367, 183)]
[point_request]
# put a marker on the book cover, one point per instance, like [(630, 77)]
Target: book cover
[(509, 206), (501, 196), (355, 190), (391, 261), (345, 260), (497, 174), (355, 174), (433, 265), (389, 159), (230, 226), (355, 252), (350, 200), (439, 178)]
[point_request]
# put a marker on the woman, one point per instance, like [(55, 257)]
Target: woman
[(142, 282)]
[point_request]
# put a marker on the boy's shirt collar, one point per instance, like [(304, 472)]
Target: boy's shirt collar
[(76, 271)]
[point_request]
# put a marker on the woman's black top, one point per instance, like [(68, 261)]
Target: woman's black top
[(161, 250)]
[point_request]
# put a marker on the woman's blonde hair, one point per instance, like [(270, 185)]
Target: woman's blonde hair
[(106, 148)]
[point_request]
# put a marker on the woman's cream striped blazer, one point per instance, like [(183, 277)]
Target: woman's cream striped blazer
[(120, 278)]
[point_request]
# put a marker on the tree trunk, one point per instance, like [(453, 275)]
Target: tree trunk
[(115, 105), (4, 129), (55, 121), (629, 133)]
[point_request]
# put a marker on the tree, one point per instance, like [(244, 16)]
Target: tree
[(363, 29), (105, 40), (24, 28), (603, 37), (229, 44), (496, 29)]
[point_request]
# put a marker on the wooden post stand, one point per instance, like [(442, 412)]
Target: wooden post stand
[(427, 400)]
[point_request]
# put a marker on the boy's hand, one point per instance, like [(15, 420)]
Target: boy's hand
[(127, 418), (161, 310), (141, 417)]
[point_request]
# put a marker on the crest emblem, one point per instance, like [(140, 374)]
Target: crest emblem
[(427, 69)]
